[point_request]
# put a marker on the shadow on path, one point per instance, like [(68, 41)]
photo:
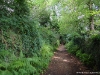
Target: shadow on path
[(63, 63)]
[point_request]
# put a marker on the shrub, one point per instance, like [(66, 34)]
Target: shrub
[(71, 47), (20, 65), (94, 48), (87, 59)]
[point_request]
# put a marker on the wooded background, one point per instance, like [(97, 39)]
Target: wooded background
[(30, 32)]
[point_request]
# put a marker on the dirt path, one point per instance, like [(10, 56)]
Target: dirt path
[(63, 63)]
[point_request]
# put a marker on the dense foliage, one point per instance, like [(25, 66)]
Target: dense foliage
[(30, 31), (26, 43), (80, 23)]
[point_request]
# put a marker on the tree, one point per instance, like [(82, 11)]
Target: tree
[(79, 21)]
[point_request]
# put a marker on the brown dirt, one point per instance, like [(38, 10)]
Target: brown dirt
[(63, 63)]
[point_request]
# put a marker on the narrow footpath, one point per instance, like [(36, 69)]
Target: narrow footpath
[(63, 63)]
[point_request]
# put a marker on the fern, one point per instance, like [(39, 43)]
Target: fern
[(14, 72), (24, 44), (22, 72), (17, 64), (6, 72)]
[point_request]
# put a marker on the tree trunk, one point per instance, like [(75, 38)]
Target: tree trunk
[(91, 18)]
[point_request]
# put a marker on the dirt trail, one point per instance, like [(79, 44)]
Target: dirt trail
[(63, 63)]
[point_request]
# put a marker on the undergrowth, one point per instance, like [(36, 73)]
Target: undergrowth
[(86, 49), (11, 64), (20, 57), (27, 40)]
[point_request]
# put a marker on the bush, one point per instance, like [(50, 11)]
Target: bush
[(25, 45), (20, 65), (71, 47), (84, 49), (94, 48), (87, 59)]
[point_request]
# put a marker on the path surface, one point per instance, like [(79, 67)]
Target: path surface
[(63, 63)]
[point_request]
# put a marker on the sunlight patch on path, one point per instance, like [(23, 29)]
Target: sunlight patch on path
[(61, 59), (63, 63)]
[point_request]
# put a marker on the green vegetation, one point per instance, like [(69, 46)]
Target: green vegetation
[(81, 26), (26, 43), (30, 30)]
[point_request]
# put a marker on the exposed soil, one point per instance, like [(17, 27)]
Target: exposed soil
[(63, 63)]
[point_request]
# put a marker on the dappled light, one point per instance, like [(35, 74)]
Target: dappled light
[(59, 58), (49, 37), (63, 63), (66, 60)]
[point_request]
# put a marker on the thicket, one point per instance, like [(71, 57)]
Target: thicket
[(30, 30), (26, 44), (86, 49), (80, 26)]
